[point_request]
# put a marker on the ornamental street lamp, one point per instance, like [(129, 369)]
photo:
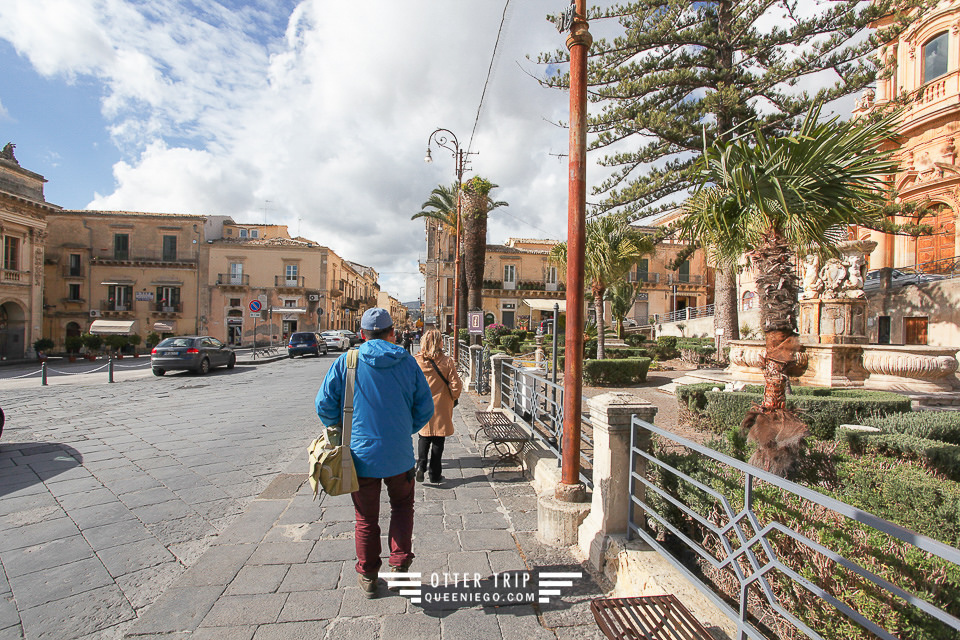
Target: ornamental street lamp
[(447, 140)]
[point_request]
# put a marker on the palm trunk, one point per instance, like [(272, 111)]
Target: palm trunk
[(601, 338), (474, 216), (725, 315), (777, 431)]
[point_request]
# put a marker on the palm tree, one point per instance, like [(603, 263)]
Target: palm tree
[(477, 204), (770, 198), (621, 296), (612, 247), (442, 207)]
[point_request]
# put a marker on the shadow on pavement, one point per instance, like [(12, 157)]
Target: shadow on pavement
[(35, 462)]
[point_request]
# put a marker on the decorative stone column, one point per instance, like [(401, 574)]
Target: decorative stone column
[(497, 361), (611, 415), (833, 306), (475, 350)]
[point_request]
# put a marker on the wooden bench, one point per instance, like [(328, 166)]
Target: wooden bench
[(506, 438), (647, 618)]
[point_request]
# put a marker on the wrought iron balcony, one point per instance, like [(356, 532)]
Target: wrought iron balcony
[(233, 280)]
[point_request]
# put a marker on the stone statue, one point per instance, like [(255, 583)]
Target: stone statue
[(7, 153), (853, 285), (812, 286), (832, 276)]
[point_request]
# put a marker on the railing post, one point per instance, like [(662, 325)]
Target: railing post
[(497, 361), (110, 368), (43, 374), (611, 415), (474, 371)]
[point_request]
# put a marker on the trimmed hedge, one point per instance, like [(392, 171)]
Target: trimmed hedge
[(620, 353), (667, 347), (933, 425), (822, 409), (615, 372), (510, 343)]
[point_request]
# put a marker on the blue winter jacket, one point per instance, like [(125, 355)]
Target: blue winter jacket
[(392, 401)]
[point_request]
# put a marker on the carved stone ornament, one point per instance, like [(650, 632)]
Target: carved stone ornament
[(7, 153)]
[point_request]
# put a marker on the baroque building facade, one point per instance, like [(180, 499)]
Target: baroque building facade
[(23, 224)]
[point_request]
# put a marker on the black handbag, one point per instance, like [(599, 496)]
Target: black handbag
[(456, 401)]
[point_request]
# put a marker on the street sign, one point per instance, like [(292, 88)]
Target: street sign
[(475, 322), (254, 314), (319, 312), (255, 306)]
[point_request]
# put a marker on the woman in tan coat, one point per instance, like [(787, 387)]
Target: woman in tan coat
[(445, 385)]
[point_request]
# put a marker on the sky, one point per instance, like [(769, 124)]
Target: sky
[(313, 114)]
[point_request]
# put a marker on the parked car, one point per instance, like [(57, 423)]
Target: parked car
[(303, 342), (354, 338), (898, 278), (336, 340), (192, 353)]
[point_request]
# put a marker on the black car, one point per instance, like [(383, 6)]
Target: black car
[(303, 342), (193, 353)]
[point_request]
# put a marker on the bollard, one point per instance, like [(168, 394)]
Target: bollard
[(43, 374), (110, 369)]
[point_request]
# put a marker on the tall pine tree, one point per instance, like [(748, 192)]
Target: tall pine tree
[(684, 73)]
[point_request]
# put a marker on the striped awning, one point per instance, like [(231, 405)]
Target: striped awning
[(112, 327), (163, 327)]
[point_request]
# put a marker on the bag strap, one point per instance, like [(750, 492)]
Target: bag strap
[(442, 377), (352, 357)]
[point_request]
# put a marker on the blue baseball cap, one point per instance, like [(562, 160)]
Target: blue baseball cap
[(376, 319)]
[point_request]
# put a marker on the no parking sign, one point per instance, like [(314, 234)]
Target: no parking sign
[(255, 306)]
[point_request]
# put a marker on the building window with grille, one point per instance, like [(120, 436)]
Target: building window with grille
[(254, 233), (935, 57), (243, 233), (234, 302), (168, 299), (73, 292), (11, 253), (121, 246), (121, 297)]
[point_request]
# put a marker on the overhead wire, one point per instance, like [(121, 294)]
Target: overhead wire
[(486, 82)]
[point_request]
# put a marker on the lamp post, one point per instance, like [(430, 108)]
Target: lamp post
[(446, 139)]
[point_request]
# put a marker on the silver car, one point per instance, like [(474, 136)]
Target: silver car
[(898, 278), (192, 353), (336, 340)]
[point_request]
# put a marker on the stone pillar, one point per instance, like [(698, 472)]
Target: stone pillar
[(611, 415), (475, 350), (497, 361)]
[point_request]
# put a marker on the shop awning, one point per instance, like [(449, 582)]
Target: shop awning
[(163, 327), (112, 327), (538, 304)]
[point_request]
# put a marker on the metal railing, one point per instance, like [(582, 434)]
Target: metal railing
[(644, 276), (233, 279), (677, 278), (689, 313), (284, 281), (761, 571), (463, 363), (538, 402)]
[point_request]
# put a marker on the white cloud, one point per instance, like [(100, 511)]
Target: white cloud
[(4, 115), (320, 108)]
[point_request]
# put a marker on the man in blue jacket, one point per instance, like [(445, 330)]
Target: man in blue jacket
[(391, 402)]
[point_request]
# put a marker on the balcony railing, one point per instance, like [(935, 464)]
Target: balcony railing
[(76, 271), (143, 256), (110, 305), (166, 307), (11, 275), (644, 276), (690, 313), (284, 281), (233, 280), (683, 278)]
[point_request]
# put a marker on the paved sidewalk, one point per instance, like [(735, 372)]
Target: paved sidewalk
[(285, 569)]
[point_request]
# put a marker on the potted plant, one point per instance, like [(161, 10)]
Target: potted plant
[(41, 346), (116, 344), (153, 339), (73, 344), (92, 342), (134, 341)]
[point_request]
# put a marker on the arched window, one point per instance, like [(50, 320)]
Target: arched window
[(935, 57), (747, 300)]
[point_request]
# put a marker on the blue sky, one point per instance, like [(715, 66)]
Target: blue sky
[(315, 114)]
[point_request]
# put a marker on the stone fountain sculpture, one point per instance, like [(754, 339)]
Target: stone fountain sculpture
[(833, 336)]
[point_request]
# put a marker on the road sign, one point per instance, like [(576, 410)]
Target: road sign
[(254, 314), (255, 306)]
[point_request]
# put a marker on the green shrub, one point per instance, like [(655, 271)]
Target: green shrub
[(667, 347), (510, 343), (590, 350), (73, 344), (153, 339), (116, 342), (615, 372), (493, 332), (463, 335), (933, 425), (43, 344), (635, 339), (92, 341), (822, 409), (521, 334), (620, 352)]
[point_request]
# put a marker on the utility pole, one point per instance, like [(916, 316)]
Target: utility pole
[(571, 489)]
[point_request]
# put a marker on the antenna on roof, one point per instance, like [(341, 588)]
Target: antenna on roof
[(265, 211)]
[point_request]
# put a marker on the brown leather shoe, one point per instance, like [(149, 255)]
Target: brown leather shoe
[(369, 585)]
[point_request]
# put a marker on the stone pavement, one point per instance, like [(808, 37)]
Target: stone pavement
[(285, 569)]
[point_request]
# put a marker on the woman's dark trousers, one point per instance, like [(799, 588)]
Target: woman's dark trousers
[(432, 445)]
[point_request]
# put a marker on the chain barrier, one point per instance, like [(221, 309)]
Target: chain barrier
[(78, 373), (26, 375)]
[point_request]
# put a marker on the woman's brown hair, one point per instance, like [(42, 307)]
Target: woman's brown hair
[(431, 344)]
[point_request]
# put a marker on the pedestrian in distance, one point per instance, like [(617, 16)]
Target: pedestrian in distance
[(407, 340), (446, 386), (391, 402)]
